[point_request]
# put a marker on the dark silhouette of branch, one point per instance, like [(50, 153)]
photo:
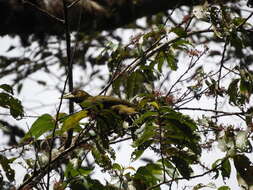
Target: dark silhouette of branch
[(19, 17), (182, 178), (40, 173)]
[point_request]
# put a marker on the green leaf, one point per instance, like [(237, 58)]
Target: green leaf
[(154, 104), (136, 154), (225, 169), (245, 88), (147, 176), (233, 91), (9, 172), (179, 31), (76, 171), (7, 88), (16, 108), (148, 133), (42, 125), (238, 21), (201, 186), (72, 121), (170, 168), (224, 188), (11, 103), (171, 61), (116, 166), (146, 116), (182, 166), (244, 168), (181, 44), (160, 58), (117, 84), (134, 84)]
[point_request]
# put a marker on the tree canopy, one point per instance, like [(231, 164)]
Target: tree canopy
[(169, 80)]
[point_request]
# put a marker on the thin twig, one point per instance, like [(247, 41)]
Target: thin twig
[(36, 177), (182, 178), (53, 133), (70, 67), (191, 65), (73, 3), (31, 116), (44, 11), (149, 53), (210, 110), (220, 71)]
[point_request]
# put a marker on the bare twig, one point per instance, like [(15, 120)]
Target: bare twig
[(69, 80), (210, 110), (149, 53), (73, 3), (182, 178), (70, 67), (220, 71), (44, 11), (36, 177), (53, 133)]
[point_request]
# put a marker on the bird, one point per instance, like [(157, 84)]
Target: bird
[(109, 113), (87, 101)]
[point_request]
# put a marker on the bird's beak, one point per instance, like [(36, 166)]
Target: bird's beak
[(68, 96)]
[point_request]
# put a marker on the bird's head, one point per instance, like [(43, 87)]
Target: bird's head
[(77, 95)]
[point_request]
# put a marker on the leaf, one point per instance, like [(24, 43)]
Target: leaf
[(233, 91), (154, 104), (11, 103), (170, 168), (7, 88), (116, 166), (134, 84), (117, 84), (201, 186), (16, 108), (9, 172), (182, 166), (146, 116), (160, 58), (72, 121), (147, 176), (224, 188), (244, 167), (179, 31), (42, 125), (241, 140), (148, 133), (171, 60), (238, 21), (73, 171), (225, 169), (181, 44), (136, 154), (245, 88)]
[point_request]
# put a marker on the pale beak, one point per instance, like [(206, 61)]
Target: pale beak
[(68, 96)]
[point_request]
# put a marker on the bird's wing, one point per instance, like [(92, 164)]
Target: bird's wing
[(108, 101)]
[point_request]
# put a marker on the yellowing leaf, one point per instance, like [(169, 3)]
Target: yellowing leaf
[(73, 120), (154, 104)]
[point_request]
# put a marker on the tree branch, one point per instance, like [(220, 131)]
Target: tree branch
[(21, 18)]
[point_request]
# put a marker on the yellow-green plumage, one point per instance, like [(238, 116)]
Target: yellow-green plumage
[(86, 101)]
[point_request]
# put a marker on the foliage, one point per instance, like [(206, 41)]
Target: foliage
[(164, 72)]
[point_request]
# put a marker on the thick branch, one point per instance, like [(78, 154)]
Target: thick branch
[(21, 18)]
